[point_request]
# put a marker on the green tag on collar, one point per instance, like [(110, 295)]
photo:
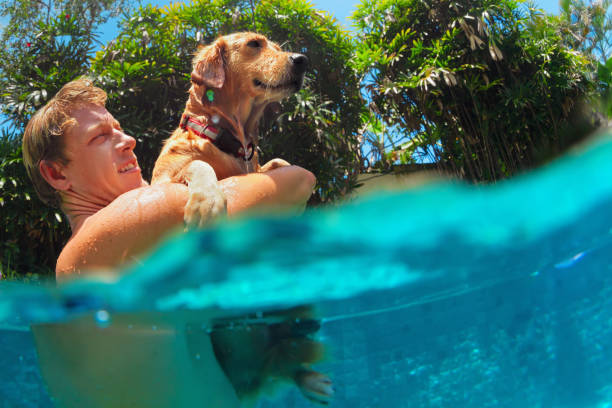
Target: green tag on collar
[(210, 95)]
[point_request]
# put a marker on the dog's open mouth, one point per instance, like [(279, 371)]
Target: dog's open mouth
[(296, 84)]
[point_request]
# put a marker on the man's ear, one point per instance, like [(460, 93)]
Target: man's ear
[(209, 66), (53, 173)]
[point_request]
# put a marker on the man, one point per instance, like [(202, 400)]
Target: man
[(79, 159)]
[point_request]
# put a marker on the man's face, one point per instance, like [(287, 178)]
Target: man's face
[(102, 162)]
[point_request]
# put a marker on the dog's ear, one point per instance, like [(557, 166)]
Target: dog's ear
[(209, 66)]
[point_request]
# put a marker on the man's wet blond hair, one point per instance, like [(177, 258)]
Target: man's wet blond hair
[(44, 136)]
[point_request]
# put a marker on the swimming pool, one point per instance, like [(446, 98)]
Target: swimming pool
[(445, 295)]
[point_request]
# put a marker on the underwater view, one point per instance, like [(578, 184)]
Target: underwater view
[(443, 295)]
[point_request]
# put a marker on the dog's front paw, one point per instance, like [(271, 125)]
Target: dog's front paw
[(206, 199), (317, 387), (203, 207), (274, 164)]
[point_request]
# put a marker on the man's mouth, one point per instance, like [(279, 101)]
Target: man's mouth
[(128, 167)]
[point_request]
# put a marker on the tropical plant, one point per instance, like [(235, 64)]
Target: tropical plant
[(31, 234), (481, 87), (586, 26), (20, 16)]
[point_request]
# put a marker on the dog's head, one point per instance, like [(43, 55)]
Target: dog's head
[(248, 66), (236, 77)]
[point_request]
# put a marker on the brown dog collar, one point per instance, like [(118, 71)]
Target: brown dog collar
[(222, 138)]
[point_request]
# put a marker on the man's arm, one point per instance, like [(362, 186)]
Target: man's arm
[(138, 220), (284, 188)]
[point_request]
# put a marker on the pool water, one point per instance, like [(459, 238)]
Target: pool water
[(444, 295)]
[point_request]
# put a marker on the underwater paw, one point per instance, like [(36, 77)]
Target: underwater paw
[(315, 386)]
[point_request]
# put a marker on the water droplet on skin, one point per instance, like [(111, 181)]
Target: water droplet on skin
[(102, 318)]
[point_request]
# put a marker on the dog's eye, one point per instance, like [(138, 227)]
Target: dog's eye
[(254, 44)]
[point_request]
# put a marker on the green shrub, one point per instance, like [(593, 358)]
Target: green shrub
[(32, 233), (484, 87)]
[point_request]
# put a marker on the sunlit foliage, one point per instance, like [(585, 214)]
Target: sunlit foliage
[(481, 87)]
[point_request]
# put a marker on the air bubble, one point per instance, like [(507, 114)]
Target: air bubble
[(102, 318)]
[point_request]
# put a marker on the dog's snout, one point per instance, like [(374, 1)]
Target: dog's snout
[(300, 63)]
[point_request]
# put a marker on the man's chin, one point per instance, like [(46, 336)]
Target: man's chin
[(134, 184)]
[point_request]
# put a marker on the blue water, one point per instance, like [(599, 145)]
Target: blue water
[(444, 295)]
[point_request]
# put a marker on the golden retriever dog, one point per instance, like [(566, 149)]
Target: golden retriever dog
[(233, 80)]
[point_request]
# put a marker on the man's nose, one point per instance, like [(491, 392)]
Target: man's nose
[(126, 142)]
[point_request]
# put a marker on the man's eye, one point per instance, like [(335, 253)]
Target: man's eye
[(99, 138)]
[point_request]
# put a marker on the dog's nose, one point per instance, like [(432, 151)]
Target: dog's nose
[(300, 63)]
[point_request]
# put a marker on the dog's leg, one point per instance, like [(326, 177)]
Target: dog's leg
[(293, 352), (206, 199), (315, 386)]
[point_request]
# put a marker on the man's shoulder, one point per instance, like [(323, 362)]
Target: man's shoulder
[(145, 204), (125, 229)]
